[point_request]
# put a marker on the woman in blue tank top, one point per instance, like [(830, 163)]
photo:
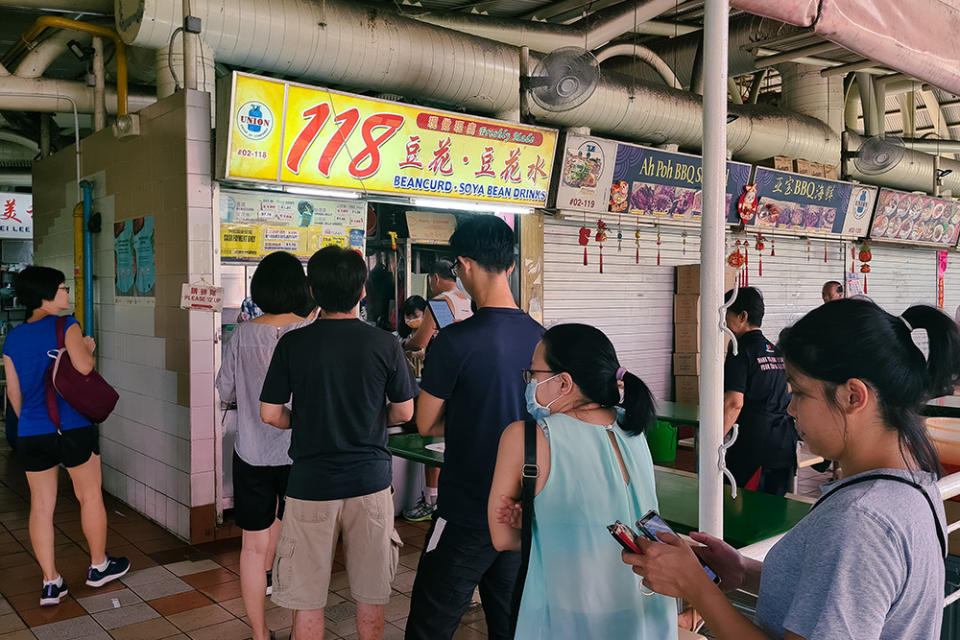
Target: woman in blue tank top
[(594, 470)]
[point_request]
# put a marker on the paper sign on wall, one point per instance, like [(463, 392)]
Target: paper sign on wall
[(430, 228), (201, 296)]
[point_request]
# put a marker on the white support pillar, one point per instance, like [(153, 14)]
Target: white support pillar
[(713, 221)]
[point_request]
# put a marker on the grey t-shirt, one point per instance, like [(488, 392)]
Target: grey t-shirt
[(245, 361), (865, 564)]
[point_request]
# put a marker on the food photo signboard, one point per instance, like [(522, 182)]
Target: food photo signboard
[(806, 205), (916, 219), (586, 174), (661, 184)]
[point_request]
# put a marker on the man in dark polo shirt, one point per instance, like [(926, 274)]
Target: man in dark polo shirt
[(472, 388), (756, 398), (347, 381)]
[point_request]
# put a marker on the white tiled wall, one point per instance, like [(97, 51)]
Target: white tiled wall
[(146, 444)]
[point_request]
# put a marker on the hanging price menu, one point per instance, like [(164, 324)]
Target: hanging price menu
[(295, 134), (253, 224)]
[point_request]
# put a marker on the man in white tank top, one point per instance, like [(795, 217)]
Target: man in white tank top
[(443, 286)]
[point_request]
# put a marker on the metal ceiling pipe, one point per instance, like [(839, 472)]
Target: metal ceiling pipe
[(623, 108), (805, 91), (102, 7), (588, 33), (932, 146), (13, 178), (914, 172), (795, 54), (21, 140), (57, 95), (42, 56), (341, 43), (640, 53)]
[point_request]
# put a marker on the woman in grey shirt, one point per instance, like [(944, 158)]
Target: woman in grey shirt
[(867, 561), (260, 461)]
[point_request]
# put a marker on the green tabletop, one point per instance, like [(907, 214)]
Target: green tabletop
[(947, 406), (678, 412), (750, 518)]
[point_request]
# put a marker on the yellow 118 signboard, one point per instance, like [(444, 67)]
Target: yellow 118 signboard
[(283, 132)]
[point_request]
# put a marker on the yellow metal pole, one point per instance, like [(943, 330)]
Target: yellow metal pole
[(56, 22), (78, 264)]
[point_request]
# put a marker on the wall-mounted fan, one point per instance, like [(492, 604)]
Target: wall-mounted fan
[(878, 154), (564, 79)]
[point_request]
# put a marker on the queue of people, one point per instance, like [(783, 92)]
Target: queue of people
[(311, 466)]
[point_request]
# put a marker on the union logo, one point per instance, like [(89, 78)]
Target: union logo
[(255, 120)]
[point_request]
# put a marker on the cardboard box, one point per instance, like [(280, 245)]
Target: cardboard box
[(830, 173), (687, 389), (808, 168), (688, 278), (780, 163), (686, 337), (686, 308), (686, 364)]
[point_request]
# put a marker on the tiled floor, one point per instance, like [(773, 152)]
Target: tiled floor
[(174, 590)]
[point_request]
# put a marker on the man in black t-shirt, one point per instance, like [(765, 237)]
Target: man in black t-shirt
[(338, 371), (756, 397), (472, 388)]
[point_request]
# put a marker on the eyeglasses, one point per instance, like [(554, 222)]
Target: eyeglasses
[(456, 266), (528, 374), (64, 287)]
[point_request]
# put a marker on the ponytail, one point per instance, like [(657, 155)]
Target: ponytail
[(943, 337), (639, 408), (587, 354), (850, 338)]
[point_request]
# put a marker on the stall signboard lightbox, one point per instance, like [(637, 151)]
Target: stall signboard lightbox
[(256, 223), (16, 216), (788, 202), (603, 176), (915, 219), (289, 133)]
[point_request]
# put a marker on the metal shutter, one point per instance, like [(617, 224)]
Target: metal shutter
[(901, 277), (632, 303), (793, 279)]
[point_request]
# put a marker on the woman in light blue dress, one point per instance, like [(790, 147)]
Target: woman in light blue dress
[(594, 470)]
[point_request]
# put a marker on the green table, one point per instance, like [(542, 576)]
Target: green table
[(678, 413), (947, 407), (750, 518)]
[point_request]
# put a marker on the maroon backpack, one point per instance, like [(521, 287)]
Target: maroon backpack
[(89, 394)]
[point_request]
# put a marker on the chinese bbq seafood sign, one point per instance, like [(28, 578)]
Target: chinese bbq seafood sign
[(295, 134)]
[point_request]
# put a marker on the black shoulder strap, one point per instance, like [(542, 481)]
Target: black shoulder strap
[(909, 483), (528, 489)]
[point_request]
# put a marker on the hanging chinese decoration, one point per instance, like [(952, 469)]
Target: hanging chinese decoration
[(619, 234), (773, 247), (865, 257), (584, 240), (824, 252), (601, 237), (747, 204), (736, 260), (683, 239), (658, 246), (746, 263), (808, 249), (759, 247), (636, 237)]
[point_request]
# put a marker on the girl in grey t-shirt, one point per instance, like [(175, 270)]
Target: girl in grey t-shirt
[(867, 561)]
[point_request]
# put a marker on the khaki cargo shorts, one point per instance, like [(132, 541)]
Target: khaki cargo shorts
[(308, 542)]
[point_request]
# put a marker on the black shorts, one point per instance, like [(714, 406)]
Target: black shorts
[(258, 494), (72, 448)]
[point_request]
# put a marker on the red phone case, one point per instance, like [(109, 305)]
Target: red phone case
[(624, 535)]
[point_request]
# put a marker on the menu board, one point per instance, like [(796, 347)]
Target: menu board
[(792, 202), (254, 224), (916, 218), (650, 182)]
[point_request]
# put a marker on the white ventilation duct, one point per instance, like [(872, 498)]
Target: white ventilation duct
[(805, 91), (21, 94), (372, 49), (914, 172), (43, 54), (167, 82), (588, 33)]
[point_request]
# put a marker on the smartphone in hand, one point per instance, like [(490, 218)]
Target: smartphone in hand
[(651, 524), (624, 535)]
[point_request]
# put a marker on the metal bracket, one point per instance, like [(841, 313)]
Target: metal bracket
[(722, 462), (723, 316)]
